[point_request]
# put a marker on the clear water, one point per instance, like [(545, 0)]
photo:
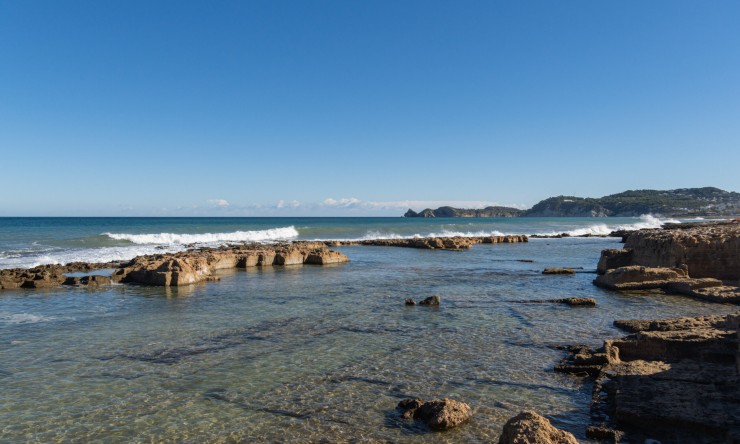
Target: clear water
[(311, 354)]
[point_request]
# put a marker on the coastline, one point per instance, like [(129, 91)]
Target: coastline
[(205, 264)]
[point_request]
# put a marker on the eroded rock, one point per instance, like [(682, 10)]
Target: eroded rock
[(438, 414), (530, 428)]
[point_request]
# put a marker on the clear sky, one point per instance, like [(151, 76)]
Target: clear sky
[(360, 108)]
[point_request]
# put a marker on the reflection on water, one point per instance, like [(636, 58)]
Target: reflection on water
[(301, 354)]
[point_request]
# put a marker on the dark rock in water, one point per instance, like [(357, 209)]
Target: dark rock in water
[(579, 302), (410, 301), (530, 428), (438, 414), (559, 271), (431, 300), (90, 281), (573, 302), (408, 407), (603, 433)]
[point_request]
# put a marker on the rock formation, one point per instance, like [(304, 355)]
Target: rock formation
[(674, 380), (699, 260), (174, 269), (434, 243), (198, 265), (530, 428), (438, 414), (559, 271)]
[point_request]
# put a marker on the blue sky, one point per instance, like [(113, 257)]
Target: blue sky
[(360, 108)]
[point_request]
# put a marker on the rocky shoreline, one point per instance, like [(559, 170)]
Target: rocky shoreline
[(697, 260), (200, 264), (672, 380), (174, 269)]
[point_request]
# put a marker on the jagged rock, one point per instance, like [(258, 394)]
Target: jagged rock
[(90, 281), (635, 277), (573, 302), (438, 414), (431, 300), (709, 250), (559, 271), (530, 428), (675, 380), (409, 301), (612, 258), (194, 266)]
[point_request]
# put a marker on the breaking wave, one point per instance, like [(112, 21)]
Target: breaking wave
[(272, 234), (646, 221)]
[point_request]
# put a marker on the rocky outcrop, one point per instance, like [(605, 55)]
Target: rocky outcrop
[(438, 414), (199, 265), (431, 301), (690, 259), (461, 212), (49, 276), (559, 271), (434, 243), (674, 380), (573, 302), (530, 428), (174, 269), (709, 250)]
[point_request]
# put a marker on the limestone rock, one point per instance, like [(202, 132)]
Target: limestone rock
[(559, 271), (438, 414), (635, 277), (530, 428), (709, 250)]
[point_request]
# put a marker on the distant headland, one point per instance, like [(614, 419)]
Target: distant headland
[(687, 202)]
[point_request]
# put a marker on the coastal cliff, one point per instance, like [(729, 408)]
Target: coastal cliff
[(707, 201)]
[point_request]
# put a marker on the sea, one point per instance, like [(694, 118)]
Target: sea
[(302, 354)]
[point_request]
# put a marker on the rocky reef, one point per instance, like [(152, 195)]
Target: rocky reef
[(673, 380), (175, 269), (698, 260), (200, 264), (434, 243)]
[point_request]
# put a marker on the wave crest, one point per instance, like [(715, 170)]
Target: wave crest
[(272, 234)]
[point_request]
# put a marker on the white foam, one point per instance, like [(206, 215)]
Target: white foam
[(272, 234), (646, 221), (24, 318), (372, 235)]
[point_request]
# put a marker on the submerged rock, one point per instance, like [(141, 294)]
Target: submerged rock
[(559, 271), (438, 414), (409, 301), (530, 428), (431, 300)]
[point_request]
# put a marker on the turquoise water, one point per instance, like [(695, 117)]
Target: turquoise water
[(305, 353)]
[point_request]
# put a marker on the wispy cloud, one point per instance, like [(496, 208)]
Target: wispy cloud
[(222, 203)]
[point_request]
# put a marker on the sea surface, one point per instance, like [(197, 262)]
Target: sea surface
[(303, 353)]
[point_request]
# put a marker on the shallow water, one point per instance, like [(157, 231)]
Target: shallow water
[(305, 353)]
